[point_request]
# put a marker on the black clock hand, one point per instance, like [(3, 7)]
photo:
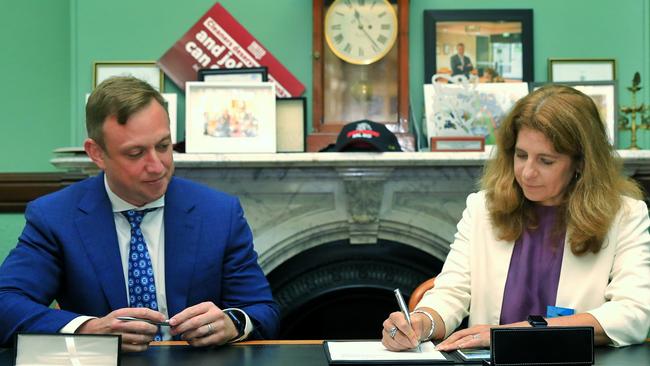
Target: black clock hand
[(363, 29)]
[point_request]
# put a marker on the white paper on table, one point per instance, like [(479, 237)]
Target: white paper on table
[(375, 351)]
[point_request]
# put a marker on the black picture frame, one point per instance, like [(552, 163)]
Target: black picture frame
[(291, 133), (240, 74), (472, 21)]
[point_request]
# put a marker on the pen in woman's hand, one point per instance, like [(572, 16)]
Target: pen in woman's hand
[(405, 311)]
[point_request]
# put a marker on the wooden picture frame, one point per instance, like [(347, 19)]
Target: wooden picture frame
[(459, 143), (498, 39)]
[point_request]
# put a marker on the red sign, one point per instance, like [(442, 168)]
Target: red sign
[(217, 40)]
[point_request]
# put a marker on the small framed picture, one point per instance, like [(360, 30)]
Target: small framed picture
[(143, 70), (581, 69), (172, 107), (291, 114), (230, 117), (458, 143), (61, 349), (603, 93), (258, 74)]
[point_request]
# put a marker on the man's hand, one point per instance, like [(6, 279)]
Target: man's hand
[(135, 335), (203, 325)]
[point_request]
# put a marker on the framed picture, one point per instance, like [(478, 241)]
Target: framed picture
[(468, 109), (579, 70), (172, 108), (461, 143), (605, 96), (479, 43), (230, 117), (258, 74), (291, 115), (144, 70), (62, 349)]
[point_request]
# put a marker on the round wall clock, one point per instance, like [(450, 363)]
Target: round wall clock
[(360, 31)]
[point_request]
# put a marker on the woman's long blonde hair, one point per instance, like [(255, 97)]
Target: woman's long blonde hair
[(570, 120)]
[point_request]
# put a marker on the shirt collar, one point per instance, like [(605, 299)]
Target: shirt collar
[(120, 205)]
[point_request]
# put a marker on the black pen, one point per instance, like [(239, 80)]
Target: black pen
[(404, 309), (164, 323)]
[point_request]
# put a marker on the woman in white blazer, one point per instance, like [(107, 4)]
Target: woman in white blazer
[(557, 227)]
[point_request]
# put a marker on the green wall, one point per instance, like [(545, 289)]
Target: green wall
[(49, 47), (35, 74)]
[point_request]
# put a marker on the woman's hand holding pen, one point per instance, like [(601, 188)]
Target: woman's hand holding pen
[(404, 336)]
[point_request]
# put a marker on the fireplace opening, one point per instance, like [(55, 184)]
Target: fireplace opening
[(343, 291)]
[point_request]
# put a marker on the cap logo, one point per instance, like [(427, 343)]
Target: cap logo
[(362, 130)]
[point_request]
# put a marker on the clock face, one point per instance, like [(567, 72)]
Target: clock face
[(360, 31)]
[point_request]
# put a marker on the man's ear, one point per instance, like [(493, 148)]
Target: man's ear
[(95, 152)]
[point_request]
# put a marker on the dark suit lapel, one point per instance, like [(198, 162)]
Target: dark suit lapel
[(181, 244), (97, 231)]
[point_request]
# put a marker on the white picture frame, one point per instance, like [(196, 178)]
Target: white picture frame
[(581, 70), (230, 117), (481, 105), (143, 70)]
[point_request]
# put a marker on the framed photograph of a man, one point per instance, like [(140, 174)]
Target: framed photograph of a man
[(490, 45)]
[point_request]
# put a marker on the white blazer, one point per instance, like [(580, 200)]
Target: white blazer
[(612, 285)]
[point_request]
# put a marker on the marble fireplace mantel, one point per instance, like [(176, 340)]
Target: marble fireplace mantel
[(295, 202)]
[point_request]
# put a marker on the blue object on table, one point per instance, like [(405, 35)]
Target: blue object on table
[(555, 311)]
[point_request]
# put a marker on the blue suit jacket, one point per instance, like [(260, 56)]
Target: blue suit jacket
[(68, 251)]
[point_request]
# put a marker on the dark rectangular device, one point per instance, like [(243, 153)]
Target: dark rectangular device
[(542, 346)]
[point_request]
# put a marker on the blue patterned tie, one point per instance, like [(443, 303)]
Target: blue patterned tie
[(142, 286)]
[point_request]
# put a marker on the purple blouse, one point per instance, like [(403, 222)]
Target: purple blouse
[(534, 270)]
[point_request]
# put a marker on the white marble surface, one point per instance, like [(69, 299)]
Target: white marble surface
[(295, 202), (75, 161)]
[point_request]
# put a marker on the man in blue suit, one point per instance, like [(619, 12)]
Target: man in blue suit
[(137, 242)]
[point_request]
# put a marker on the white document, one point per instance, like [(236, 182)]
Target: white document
[(375, 351)]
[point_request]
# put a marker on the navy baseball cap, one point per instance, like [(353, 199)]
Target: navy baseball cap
[(366, 135)]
